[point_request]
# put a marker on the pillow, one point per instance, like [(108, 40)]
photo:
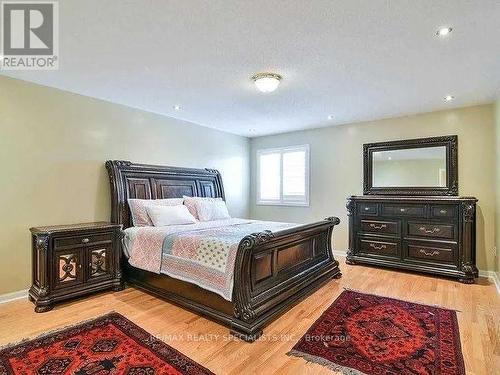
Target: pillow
[(190, 203), (140, 217), (169, 215), (211, 210)]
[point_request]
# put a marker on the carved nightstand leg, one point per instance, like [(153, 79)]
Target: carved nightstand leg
[(42, 309), (337, 276)]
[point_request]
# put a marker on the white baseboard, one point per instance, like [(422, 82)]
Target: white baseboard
[(13, 296), (493, 276), (339, 253)]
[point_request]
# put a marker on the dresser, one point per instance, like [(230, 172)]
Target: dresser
[(432, 234), (73, 260)]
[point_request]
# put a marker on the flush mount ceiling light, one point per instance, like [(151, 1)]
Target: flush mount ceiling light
[(449, 98), (444, 31), (330, 117), (177, 107), (267, 82)]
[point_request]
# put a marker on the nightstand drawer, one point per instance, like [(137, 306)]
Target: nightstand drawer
[(77, 241), (432, 230)]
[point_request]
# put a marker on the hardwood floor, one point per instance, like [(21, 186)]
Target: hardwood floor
[(203, 340)]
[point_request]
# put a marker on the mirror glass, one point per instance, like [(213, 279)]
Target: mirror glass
[(410, 167)]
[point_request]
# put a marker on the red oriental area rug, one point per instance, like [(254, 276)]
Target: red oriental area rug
[(110, 344), (367, 334)]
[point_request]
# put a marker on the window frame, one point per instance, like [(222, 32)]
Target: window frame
[(282, 201)]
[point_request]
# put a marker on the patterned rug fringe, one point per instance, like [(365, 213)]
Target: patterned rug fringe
[(324, 362), (400, 299), (52, 331)]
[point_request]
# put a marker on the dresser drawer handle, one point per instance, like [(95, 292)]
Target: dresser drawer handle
[(443, 211), (381, 247), (85, 240), (402, 209), (367, 208), (429, 254), (381, 226), (430, 231)]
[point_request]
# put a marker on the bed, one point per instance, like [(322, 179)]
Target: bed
[(272, 269)]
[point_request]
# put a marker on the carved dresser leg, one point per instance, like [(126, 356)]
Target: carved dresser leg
[(44, 308), (119, 287), (466, 280), (350, 261)]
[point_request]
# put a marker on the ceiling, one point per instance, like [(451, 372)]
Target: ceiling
[(357, 60)]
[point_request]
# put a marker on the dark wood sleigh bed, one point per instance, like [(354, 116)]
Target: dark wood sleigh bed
[(273, 270)]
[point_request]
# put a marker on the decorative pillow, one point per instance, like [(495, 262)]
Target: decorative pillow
[(140, 216), (169, 215), (190, 203), (211, 210)]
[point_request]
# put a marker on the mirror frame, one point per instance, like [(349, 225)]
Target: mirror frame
[(451, 144)]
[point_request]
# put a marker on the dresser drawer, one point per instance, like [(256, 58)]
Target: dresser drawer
[(389, 248), (431, 253), (403, 210), (432, 230), (370, 209), (441, 211), (379, 226), (76, 241)]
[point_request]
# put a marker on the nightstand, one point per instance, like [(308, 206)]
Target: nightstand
[(73, 260)]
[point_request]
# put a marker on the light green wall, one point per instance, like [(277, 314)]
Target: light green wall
[(337, 167), (53, 145), (497, 139)]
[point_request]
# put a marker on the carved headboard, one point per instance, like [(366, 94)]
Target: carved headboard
[(142, 181)]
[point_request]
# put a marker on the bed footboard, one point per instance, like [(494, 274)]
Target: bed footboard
[(276, 269)]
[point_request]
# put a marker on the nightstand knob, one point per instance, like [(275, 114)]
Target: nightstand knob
[(85, 240)]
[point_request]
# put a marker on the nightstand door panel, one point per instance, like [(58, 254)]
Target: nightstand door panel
[(99, 263), (67, 268)]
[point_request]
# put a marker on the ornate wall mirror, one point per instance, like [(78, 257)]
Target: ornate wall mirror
[(425, 166)]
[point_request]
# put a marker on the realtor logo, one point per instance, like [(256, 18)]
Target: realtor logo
[(30, 37)]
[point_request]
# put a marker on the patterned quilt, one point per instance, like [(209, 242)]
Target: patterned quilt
[(203, 253)]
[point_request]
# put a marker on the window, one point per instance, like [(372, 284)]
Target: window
[(283, 176)]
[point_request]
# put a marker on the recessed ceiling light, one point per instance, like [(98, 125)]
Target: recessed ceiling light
[(444, 31), (330, 117), (177, 107), (449, 98), (267, 82)]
